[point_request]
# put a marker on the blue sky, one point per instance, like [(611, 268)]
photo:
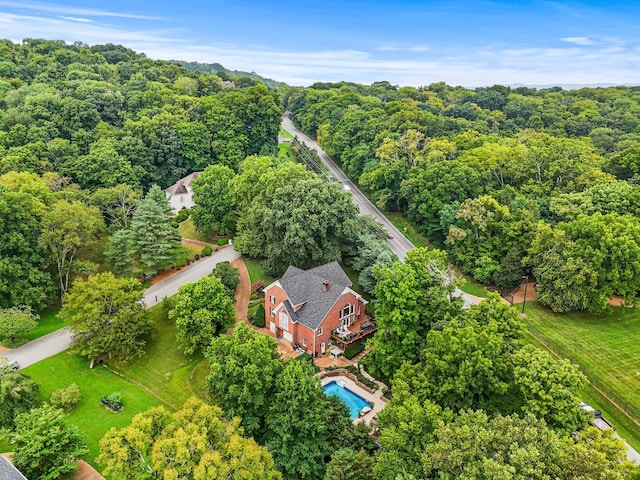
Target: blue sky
[(406, 42)]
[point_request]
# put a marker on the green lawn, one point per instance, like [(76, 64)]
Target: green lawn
[(164, 370), (605, 346), (89, 415), (285, 134), (408, 229), (48, 323), (284, 150), (162, 376), (473, 287), (256, 272), (188, 230)]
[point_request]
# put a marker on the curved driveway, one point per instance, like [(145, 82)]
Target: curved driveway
[(58, 341)]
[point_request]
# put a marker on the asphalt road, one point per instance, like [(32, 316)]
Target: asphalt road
[(58, 341), (398, 243), (169, 287)]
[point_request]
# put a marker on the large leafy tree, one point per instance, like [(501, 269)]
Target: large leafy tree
[(468, 363), (294, 218), (229, 276), (477, 446), (18, 394), (297, 424), (24, 278), (202, 311), (548, 389), (66, 228), (347, 464), (406, 428), (411, 299), (213, 212), (195, 442), (16, 320), (46, 448), (579, 265), (117, 204), (107, 317), (243, 371)]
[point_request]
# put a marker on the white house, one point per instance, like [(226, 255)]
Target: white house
[(180, 194)]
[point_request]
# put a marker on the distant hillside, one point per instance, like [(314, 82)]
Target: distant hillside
[(221, 71)]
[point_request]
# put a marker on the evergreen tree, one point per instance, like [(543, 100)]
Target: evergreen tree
[(156, 240)]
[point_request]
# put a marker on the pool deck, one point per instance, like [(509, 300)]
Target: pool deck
[(375, 397)]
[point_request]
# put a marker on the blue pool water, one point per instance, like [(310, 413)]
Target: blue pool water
[(355, 402)]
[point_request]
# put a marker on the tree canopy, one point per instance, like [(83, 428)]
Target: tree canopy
[(202, 310), (107, 317)]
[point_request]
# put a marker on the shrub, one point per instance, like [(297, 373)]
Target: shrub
[(180, 262), (258, 317), (223, 241), (206, 251), (354, 350), (229, 276), (113, 401), (257, 286), (182, 215), (196, 256), (174, 223), (66, 398)]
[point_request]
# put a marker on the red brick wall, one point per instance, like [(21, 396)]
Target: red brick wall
[(300, 332), (331, 322), (277, 292)]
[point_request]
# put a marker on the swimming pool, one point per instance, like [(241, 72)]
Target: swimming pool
[(355, 402)]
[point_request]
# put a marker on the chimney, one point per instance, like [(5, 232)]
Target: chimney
[(325, 286)]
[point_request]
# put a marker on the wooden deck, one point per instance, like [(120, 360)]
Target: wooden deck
[(358, 331)]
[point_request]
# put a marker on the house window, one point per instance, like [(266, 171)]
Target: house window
[(271, 312), (346, 315), (320, 331), (304, 342), (283, 320), (272, 299), (181, 199)]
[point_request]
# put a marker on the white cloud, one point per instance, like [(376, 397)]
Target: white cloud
[(616, 62), (77, 19), (64, 9), (578, 40), (392, 48)]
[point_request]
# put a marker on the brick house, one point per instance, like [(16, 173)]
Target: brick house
[(306, 306)]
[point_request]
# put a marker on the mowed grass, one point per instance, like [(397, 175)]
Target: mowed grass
[(188, 230), (92, 419), (256, 271), (48, 322), (166, 372), (408, 229), (284, 133), (605, 346), (473, 287), (162, 376)]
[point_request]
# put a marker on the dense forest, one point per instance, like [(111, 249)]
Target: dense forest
[(85, 131), (510, 181)]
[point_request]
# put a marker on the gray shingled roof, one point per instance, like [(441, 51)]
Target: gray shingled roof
[(305, 287), (180, 187), (8, 471)]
